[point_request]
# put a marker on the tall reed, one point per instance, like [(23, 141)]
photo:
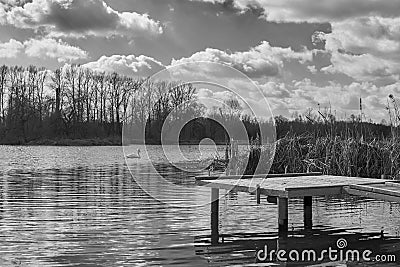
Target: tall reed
[(337, 156)]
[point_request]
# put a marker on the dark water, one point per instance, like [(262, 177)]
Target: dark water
[(71, 206)]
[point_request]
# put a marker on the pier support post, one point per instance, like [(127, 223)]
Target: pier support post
[(258, 194), (308, 213), (214, 215), (283, 216)]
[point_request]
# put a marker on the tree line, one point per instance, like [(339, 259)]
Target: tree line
[(73, 102)]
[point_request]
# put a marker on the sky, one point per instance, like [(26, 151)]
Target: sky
[(301, 54)]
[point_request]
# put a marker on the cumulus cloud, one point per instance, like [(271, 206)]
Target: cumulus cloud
[(365, 67), (51, 48), (365, 49), (213, 100), (128, 65), (274, 89), (365, 37), (77, 18), (10, 49), (260, 61), (343, 100), (43, 48), (374, 35)]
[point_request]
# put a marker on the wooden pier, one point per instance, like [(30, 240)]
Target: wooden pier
[(280, 188)]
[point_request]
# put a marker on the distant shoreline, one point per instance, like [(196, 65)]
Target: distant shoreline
[(91, 142), (69, 142)]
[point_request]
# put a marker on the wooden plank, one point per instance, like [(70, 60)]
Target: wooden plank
[(376, 189), (372, 195), (362, 188), (315, 191), (327, 185), (392, 184), (291, 186), (242, 187), (283, 175)]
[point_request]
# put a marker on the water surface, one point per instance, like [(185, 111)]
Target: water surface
[(81, 206)]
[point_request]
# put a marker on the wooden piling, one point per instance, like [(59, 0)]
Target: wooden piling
[(214, 215), (283, 215), (258, 194), (307, 212)]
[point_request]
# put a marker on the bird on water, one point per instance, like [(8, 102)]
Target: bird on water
[(134, 156)]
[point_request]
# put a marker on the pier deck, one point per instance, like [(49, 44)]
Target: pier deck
[(288, 187), (281, 187)]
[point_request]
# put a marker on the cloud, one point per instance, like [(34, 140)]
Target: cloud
[(365, 48), (274, 89), (130, 65), (78, 18), (51, 48), (374, 35), (213, 100), (364, 42), (10, 49), (43, 48), (260, 61), (316, 11), (342, 100), (365, 67)]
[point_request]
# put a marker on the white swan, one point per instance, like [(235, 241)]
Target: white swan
[(134, 156)]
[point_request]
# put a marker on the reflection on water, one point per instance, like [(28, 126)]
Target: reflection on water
[(241, 249), (69, 206)]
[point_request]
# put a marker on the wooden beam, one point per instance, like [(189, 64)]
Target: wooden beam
[(372, 195), (235, 185), (280, 175), (379, 190), (214, 215), (283, 214), (315, 191), (392, 184)]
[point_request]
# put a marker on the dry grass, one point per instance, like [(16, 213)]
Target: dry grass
[(338, 156)]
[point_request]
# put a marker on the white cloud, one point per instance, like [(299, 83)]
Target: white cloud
[(260, 61), (375, 35), (365, 67), (3, 14), (43, 48), (274, 89), (10, 49), (365, 37), (365, 48), (127, 65), (342, 100), (213, 100), (78, 18), (51, 48)]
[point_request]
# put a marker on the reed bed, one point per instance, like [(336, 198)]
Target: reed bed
[(337, 156)]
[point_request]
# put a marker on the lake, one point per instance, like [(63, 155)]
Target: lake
[(83, 206)]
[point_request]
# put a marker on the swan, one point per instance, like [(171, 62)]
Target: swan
[(134, 156)]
